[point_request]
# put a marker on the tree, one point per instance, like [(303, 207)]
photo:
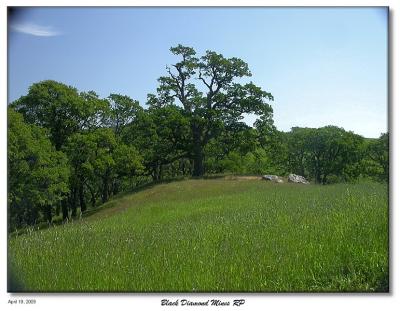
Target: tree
[(94, 111), (228, 150), (54, 106), (123, 110), (99, 162), (161, 135), (37, 173), (333, 151), (128, 163), (275, 145), (222, 102), (81, 151), (378, 152), (298, 151), (77, 124), (325, 152)]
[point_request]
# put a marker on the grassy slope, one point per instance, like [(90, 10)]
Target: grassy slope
[(216, 235)]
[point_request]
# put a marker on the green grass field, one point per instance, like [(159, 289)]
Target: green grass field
[(216, 235)]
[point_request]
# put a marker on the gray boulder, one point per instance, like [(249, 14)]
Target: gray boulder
[(297, 179)]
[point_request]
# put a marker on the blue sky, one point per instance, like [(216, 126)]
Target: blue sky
[(324, 66)]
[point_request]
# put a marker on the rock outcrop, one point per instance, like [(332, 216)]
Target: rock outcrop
[(297, 179)]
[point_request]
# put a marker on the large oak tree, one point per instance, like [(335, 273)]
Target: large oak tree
[(207, 89)]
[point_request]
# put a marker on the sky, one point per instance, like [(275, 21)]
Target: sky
[(324, 66)]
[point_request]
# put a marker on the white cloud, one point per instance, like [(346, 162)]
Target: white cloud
[(35, 30)]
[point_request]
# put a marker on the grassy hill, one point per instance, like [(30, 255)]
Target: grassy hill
[(216, 235)]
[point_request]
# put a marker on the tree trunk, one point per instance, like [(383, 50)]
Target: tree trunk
[(82, 202), (154, 174), (160, 171), (324, 179), (182, 167), (104, 195), (64, 207), (49, 214), (198, 169), (58, 209), (302, 171), (73, 202), (317, 170), (93, 196), (115, 187), (317, 176)]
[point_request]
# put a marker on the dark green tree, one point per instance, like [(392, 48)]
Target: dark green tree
[(128, 164), (378, 152), (209, 95), (81, 151), (54, 106), (298, 151), (122, 111), (99, 163), (326, 152), (333, 151), (37, 173), (275, 145), (94, 111), (162, 135), (228, 151)]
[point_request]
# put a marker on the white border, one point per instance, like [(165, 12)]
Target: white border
[(253, 301)]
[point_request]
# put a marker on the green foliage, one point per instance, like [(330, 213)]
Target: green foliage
[(377, 157), (99, 165), (276, 146), (123, 111), (234, 163), (218, 103), (162, 136), (127, 160), (54, 106), (37, 173), (87, 129), (128, 165), (217, 235), (297, 151), (94, 111), (241, 149), (325, 152)]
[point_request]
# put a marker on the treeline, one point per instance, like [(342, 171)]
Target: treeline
[(69, 151)]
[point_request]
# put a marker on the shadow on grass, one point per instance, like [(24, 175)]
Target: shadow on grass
[(57, 221), (383, 284), (14, 284), (111, 203), (107, 205)]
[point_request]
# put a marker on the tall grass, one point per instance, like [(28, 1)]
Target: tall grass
[(216, 235)]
